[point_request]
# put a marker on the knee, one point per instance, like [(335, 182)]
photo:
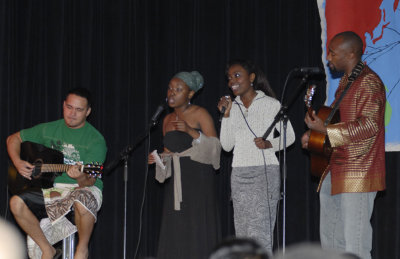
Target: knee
[(80, 209), (17, 205)]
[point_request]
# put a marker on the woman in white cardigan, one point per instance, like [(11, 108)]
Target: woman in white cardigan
[(255, 179)]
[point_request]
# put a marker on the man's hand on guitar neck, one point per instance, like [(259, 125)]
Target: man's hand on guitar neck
[(82, 178), (315, 123)]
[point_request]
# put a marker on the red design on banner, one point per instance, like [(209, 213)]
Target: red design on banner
[(360, 16), (395, 5)]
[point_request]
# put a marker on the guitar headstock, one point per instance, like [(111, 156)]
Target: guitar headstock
[(93, 169), (309, 95)]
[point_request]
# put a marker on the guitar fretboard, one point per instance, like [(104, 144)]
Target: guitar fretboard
[(45, 168), (90, 169)]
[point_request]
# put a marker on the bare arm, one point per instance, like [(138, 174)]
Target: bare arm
[(207, 124), (14, 149)]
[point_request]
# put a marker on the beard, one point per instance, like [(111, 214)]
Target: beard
[(335, 73), (332, 68)]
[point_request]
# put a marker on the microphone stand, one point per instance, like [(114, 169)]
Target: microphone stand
[(282, 115), (123, 157)]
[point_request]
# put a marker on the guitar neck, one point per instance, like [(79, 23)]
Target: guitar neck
[(45, 168), (308, 98)]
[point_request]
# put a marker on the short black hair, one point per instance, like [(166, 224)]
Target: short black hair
[(82, 92), (238, 248), (354, 40)]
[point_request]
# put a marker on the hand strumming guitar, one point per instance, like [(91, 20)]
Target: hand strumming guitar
[(23, 167)]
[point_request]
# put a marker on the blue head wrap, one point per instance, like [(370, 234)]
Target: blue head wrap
[(194, 80)]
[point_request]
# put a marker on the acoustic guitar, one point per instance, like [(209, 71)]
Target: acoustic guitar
[(318, 145), (48, 164)]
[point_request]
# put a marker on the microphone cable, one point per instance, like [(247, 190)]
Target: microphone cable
[(271, 236), (146, 173)]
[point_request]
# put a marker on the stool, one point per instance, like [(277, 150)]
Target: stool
[(68, 244)]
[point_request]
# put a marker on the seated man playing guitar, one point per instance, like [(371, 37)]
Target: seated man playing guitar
[(80, 143), (356, 169)]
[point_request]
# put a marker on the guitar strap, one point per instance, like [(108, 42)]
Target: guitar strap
[(354, 74)]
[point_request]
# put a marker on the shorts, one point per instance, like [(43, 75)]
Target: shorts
[(34, 199)]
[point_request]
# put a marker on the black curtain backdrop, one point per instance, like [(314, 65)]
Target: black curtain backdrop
[(125, 52)]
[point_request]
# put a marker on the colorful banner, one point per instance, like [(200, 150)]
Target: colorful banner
[(377, 22)]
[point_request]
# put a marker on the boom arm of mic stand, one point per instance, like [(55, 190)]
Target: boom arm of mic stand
[(282, 112), (125, 153)]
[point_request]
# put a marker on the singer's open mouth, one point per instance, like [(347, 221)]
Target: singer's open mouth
[(234, 87)]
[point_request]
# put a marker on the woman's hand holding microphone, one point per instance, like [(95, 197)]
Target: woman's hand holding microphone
[(224, 106)]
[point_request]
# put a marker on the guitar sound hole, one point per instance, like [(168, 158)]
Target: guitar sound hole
[(38, 167)]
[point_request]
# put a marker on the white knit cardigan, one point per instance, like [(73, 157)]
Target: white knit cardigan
[(236, 134)]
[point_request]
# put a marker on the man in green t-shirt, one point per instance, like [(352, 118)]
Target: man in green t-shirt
[(80, 144)]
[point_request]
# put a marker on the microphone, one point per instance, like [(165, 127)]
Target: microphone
[(222, 112), (128, 149), (309, 70), (157, 113)]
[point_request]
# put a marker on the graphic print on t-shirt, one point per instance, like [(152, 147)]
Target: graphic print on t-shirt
[(71, 154)]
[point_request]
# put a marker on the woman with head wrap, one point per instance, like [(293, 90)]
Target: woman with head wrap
[(255, 179), (190, 221)]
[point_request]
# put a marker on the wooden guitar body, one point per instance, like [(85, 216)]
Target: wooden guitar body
[(319, 145)]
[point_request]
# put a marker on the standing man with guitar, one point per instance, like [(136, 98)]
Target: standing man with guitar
[(80, 143), (356, 169)]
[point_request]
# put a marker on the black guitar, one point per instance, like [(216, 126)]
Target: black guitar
[(48, 164)]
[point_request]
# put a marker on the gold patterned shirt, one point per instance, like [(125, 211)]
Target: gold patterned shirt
[(357, 163)]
